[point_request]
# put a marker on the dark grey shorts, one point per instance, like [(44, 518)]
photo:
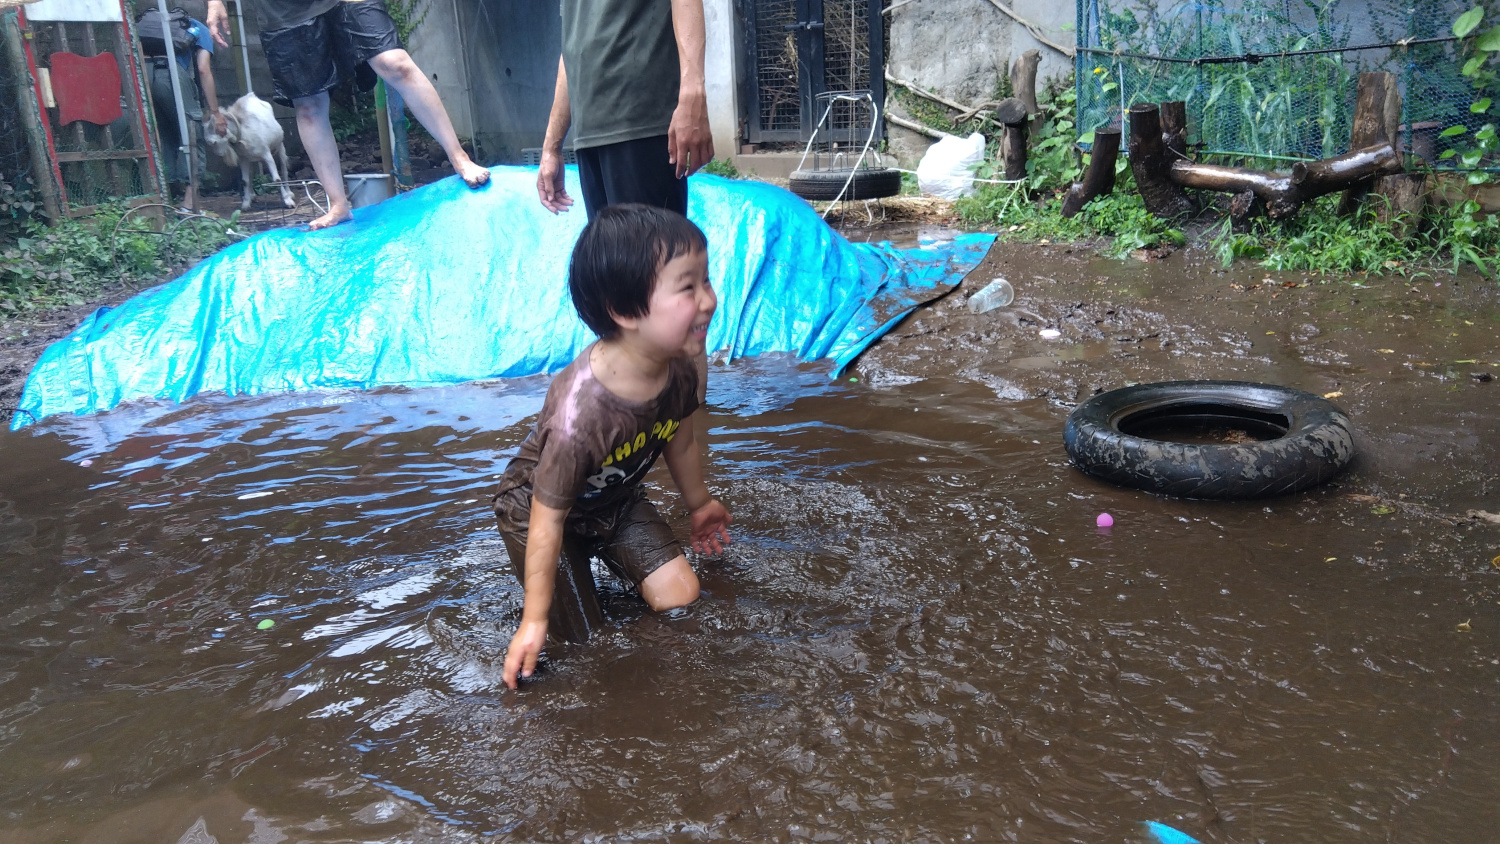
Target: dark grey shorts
[(315, 56), (633, 540)]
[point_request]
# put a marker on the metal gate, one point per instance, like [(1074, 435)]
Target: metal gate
[(799, 49)]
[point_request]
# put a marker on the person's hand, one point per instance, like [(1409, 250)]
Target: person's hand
[(525, 647), (218, 22), (690, 144), (549, 182), (709, 527), (221, 124)]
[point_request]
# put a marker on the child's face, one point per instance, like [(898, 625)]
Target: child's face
[(682, 303)]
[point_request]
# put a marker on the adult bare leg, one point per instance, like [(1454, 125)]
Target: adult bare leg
[(323, 152), (399, 71)]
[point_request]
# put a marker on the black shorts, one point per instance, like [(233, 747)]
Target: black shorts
[(633, 540), (631, 171), (315, 56)]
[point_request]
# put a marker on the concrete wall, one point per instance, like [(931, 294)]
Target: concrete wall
[(436, 47), (963, 48), (511, 49), (721, 75)]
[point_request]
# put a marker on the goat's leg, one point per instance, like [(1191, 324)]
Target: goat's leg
[(247, 184), (286, 173)]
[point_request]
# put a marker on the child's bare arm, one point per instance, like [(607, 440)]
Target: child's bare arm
[(710, 518), (544, 536)]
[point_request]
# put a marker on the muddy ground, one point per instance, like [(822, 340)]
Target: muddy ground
[(281, 618)]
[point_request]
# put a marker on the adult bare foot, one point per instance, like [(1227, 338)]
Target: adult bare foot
[(473, 175), (336, 214)]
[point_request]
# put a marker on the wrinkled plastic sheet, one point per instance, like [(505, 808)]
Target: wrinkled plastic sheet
[(444, 285)]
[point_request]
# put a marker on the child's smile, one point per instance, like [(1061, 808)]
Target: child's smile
[(682, 306)]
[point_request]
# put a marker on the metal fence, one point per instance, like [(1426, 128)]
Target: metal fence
[(1277, 78)]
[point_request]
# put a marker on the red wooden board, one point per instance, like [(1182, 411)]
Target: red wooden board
[(86, 88)]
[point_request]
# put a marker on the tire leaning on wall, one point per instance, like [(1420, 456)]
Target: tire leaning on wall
[(1309, 440), (825, 185)]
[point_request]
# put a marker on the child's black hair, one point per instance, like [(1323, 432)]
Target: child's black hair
[(617, 258)]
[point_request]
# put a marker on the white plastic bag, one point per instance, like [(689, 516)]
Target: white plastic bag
[(947, 168)]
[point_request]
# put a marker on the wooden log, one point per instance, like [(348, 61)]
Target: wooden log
[(1013, 149), (1099, 179), (1174, 128), (1400, 201), (1283, 193), (1151, 165), (1023, 85), (1377, 119)]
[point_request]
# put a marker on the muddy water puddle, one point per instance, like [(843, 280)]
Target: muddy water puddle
[(918, 635)]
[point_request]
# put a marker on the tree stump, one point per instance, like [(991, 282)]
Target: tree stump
[(1023, 85), (1174, 128), (1400, 201), (1013, 149), (1099, 179), (1151, 163), (1377, 118)]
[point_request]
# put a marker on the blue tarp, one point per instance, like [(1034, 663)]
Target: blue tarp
[(445, 285)]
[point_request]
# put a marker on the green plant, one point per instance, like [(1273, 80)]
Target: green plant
[(16, 207), (407, 15), (1480, 49), (75, 260), (722, 167)]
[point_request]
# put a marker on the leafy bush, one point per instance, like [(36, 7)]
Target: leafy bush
[(76, 260)]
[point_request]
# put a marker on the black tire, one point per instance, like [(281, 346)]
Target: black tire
[(1304, 439), (825, 185)]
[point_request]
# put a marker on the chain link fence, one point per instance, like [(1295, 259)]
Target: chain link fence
[(1276, 79)]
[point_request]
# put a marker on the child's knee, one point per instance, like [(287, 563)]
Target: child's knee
[(671, 586)]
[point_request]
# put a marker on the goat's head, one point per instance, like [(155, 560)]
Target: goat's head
[(223, 144)]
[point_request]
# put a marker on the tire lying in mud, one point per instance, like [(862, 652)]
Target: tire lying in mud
[(825, 185), (1210, 439)]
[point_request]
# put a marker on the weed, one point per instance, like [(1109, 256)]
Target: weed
[(75, 260), (723, 167)]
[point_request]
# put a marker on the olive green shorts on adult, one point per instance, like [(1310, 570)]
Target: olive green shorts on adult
[(633, 540)]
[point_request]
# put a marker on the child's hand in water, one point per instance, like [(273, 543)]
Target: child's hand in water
[(525, 647), (709, 527)]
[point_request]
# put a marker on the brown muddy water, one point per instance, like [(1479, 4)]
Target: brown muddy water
[(918, 635)]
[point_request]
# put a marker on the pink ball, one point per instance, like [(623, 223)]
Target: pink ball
[(1105, 520)]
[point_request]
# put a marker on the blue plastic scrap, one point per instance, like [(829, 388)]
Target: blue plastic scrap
[(1160, 833), (444, 285)]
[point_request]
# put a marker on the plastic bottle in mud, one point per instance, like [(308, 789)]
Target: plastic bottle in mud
[(996, 294)]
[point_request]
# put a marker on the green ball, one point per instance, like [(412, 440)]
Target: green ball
[(265, 624)]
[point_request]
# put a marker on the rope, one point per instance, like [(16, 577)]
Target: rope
[(1257, 58)]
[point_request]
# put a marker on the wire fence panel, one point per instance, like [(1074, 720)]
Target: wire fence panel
[(776, 65), (1277, 78)]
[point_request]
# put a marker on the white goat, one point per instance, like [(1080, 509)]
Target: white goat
[(252, 134)]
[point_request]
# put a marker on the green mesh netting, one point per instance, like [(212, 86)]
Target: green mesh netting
[(1291, 103)]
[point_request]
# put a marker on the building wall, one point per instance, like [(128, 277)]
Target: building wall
[(923, 40)]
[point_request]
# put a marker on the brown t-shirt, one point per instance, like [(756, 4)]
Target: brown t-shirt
[(590, 448)]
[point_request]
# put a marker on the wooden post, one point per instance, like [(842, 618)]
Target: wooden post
[(1377, 117), (1400, 201), (1099, 179), (1174, 128), (31, 121), (1013, 149), (1150, 163), (1023, 85)]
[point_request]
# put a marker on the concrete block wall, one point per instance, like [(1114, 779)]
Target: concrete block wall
[(961, 49)]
